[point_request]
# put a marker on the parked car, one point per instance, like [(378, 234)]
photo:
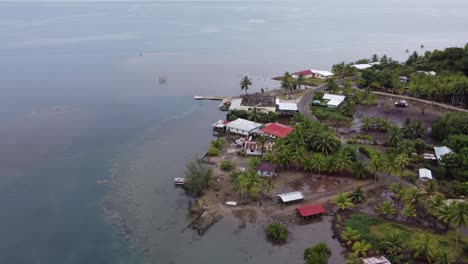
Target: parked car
[(401, 103)]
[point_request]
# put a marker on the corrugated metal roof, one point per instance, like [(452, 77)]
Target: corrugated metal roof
[(311, 209), (376, 260), (425, 174), (235, 104), (323, 73), (291, 196), (441, 151), (243, 124), (335, 97), (287, 106)]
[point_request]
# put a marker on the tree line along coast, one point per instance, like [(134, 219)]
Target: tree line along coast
[(391, 172)]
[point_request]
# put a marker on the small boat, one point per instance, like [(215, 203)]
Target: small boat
[(179, 181), (231, 203)]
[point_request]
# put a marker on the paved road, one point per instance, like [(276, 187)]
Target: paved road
[(304, 104)]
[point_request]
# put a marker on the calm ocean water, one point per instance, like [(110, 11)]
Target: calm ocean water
[(85, 122)]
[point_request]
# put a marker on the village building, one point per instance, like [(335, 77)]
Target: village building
[(403, 79), (254, 148), (432, 73), (286, 109), (276, 130), (242, 126), (306, 74), (425, 174), (263, 103), (267, 169), (376, 260), (311, 211), (362, 66), (333, 100), (220, 126), (441, 151), (235, 104), (321, 74), (290, 197)]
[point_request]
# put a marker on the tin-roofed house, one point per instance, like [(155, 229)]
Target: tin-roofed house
[(263, 103), (242, 126)]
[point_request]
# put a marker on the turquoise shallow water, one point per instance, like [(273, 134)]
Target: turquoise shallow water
[(84, 122)]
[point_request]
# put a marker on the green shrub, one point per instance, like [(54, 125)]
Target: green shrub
[(226, 165), (318, 96), (219, 143), (277, 232), (199, 176), (330, 114), (242, 153), (317, 254), (212, 151), (351, 141), (410, 176), (365, 151)]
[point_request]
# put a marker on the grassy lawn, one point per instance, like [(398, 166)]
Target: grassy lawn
[(313, 81), (374, 230), (368, 150), (287, 95), (308, 81), (330, 115)]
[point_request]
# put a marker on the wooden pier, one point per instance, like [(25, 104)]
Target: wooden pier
[(215, 98)]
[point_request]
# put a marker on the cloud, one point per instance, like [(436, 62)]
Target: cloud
[(256, 21)]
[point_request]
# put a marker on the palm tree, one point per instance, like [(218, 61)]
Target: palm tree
[(286, 81), (350, 235), (326, 143), (386, 208), (407, 130), (245, 84), (300, 80), (361, 248), (254, 115), (397, 190), (390, 166), (419, 130), (425, 246), (299, 156), (347, 108), (458, 217), (375, 164), (357, 195), (444, 214), (332, 165), (253, 163), (269, 186), (411, 195), (342, 201), (409, 212), (394, 136), (262, 140), (317, 162), (366, 123), (429, 191), (359, 170), (402, 161), (253, 182), (393, 244), (352, 259), (344, 163), (443, 257)]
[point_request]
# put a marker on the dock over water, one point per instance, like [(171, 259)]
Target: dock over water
[(215, 98)]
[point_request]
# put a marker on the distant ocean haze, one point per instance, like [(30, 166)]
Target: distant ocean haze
[(85, 120)]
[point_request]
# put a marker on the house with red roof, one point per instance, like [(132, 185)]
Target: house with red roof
[(311, 210), (305, 73), (276, 130)]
